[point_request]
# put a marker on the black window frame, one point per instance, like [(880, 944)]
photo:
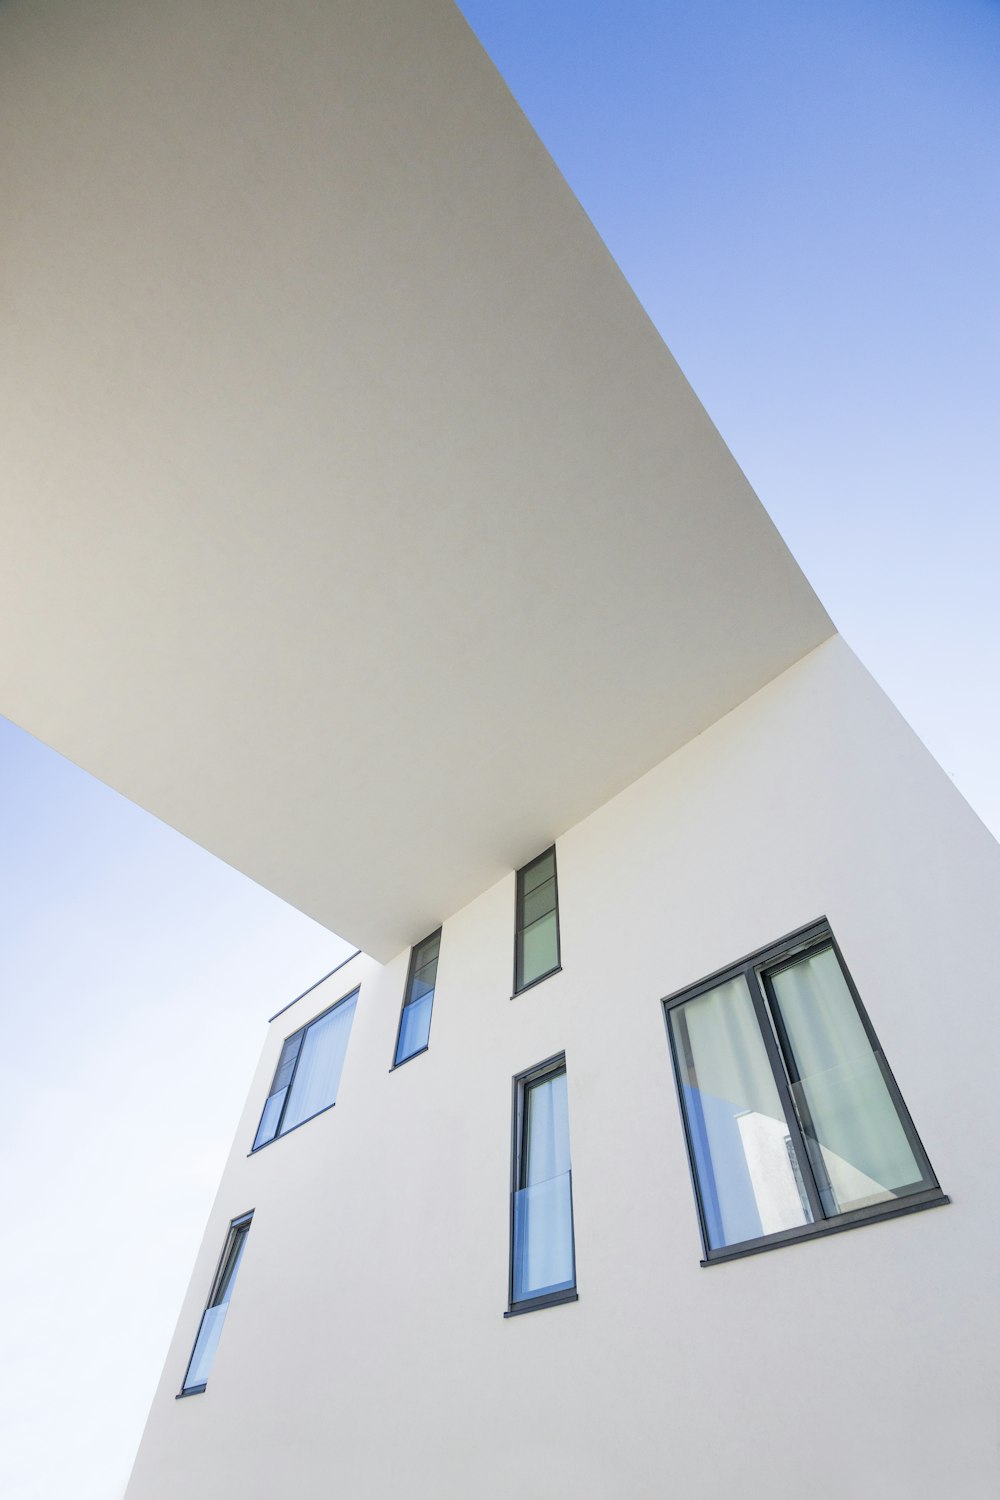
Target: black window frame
[(521, 1084), (238, 1227), (301, 1031), (411, 973), (756, 968), (519, 927)]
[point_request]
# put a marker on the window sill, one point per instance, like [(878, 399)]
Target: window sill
[(552, 1300), (404, 1060), (194, 1390), (540, 980), (255, 1150), (931, 1199)]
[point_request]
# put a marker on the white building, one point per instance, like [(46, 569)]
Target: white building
[(385, 552)]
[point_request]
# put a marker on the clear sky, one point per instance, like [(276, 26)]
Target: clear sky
[(806, 199)]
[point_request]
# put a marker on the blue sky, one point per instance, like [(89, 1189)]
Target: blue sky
[(137, 974), (806, 199)]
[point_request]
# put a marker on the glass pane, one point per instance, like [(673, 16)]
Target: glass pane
[(227, 1275), (545, 1146), (214, 1315), (321, 1060), (748, 1177), (543, 1238), (538, 902), (205, 1345), (537, 950), (286, 1063), (427, 951), (422, 982), (269, 1119), (542, 869), (423, 976), (543, 1204), (414, 1028), (860, 1148)]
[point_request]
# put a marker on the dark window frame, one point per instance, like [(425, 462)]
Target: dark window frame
[(238, 1226), (519, 895), (520, 1085), (280, 1134), (397, 1061), (757, 968)]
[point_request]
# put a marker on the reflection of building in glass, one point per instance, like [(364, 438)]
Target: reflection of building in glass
[(773, 1171)]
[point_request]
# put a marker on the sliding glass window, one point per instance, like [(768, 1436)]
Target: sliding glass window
[(543, 1255), (536, 941), (214, 1316), (793, 1120), (418, 999), (308, 1073)]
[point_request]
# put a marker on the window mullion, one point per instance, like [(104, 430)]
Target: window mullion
[(517, 1138), (781, 1082), (787, 1053), (291, 1080)]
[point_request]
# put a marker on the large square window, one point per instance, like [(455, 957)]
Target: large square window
[(308, 1073), (794, 1123)]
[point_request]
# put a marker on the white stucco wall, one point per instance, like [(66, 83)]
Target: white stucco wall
[(365, 1352)]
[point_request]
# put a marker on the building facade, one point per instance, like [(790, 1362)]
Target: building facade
[(368, 534), (366, 1349)]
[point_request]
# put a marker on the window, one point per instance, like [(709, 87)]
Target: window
[(536, 942), (794, 1123), (308, 1072), (542, 1250), (214, 1315), (418, 999)]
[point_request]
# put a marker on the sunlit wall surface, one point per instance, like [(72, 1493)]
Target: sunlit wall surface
[(421, 1249)]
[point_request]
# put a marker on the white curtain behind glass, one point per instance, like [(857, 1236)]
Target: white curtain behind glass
[(321, 1059), (547, 1130), (840, 1088), (544, 1212), (746, 1169)]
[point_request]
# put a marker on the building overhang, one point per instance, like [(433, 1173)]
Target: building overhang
[(357, 521)]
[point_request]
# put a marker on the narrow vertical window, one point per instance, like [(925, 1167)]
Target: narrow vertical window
[(794, 1122), (536, 942), (542, 1249), (308, 1073), (418, 999), (212, 1319)]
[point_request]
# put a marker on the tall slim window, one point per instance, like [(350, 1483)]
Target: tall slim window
[(542, 1251), (418, 999), (536, 942), (214, 1315), (308, 1073), (794, 1122)]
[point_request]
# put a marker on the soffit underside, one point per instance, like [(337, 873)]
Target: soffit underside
[(359, 525)]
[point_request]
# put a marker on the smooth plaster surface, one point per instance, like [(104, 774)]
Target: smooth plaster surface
[(357, 522), (365, 1352)]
